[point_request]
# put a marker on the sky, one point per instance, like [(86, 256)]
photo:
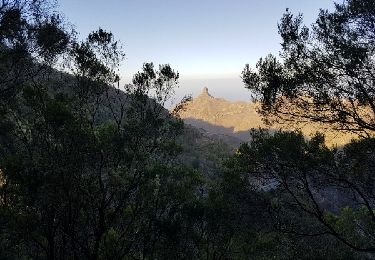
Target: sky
[(207, 41)]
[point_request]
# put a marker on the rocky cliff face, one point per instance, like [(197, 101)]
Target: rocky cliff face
[(233, 120)]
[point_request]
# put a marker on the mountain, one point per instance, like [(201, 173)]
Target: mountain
[(231, 121)]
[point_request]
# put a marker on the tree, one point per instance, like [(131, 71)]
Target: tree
[(87, 170), (315, 191), (30, 32), (326, 75), (327, 71)]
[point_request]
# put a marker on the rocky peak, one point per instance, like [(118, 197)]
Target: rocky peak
[(205, 93)]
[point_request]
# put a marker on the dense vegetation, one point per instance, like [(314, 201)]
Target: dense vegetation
[(89, 171)]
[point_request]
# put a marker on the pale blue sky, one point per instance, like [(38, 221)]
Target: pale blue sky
[(207, 41)]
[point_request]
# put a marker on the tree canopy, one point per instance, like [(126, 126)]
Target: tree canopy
[(325, 72)]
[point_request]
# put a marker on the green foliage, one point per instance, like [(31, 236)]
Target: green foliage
[(326, 71), (325, 75), (311, 189), (88, 171)]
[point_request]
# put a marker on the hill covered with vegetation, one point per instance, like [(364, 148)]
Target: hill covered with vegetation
[(90, 169)]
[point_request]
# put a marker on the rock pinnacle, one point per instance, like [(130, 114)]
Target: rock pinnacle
[(205, 92)]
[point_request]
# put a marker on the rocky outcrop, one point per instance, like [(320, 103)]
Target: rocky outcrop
[(221, 117)]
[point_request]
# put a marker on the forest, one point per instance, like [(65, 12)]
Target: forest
[(92, 169)]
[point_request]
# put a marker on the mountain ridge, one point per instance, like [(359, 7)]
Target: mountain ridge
[(219, 116)]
